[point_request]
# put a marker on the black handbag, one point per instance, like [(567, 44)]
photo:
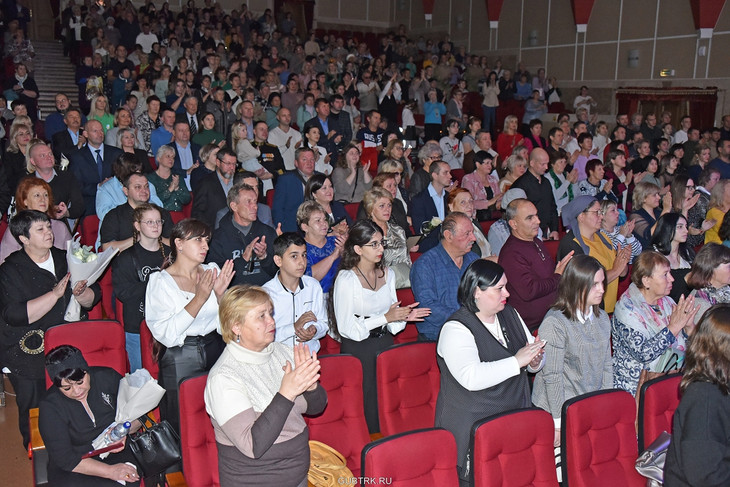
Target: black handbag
[(156, 447)]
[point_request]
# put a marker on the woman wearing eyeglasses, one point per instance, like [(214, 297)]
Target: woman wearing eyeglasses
[(584, 217), (364, 308), (131, 270)]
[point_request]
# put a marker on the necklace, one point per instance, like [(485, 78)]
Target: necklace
[(372, 287)]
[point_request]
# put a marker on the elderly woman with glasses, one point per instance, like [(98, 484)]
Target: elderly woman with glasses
[(584, 217), (649, 332)]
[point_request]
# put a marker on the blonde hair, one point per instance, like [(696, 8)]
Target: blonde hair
[(717, 195), (235, 305), (641, 192), (372, 196), (14, 129)]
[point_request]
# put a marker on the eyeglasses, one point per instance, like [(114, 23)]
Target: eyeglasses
[(376, 244), (153, 223), (597, 212)]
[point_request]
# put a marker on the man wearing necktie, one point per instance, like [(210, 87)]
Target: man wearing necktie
[(92, 164), (190, 116)]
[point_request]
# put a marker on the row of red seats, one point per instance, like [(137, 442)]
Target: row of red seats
[(598, 435)]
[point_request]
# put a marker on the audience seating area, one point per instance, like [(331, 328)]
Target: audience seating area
[(598, 440)]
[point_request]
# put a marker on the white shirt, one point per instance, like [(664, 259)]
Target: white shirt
[(168, 320), (290, 306), (278, 137), (359, 310), (459, 350)]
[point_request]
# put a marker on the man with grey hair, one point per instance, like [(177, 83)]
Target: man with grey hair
[(448, 260), (431, 151), (244, 239)]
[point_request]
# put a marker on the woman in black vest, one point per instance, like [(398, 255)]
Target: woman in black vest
[(484, 352)]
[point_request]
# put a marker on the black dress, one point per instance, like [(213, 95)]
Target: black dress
[(68, 430)]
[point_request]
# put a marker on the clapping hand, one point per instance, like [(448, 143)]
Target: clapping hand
[(683, 316), (303, 377), (223, 279), (530, 352)]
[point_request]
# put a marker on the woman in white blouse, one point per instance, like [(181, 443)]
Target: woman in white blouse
[(366, 309), (181, 309), (484, 352)]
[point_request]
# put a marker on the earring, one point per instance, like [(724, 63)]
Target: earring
[(238, 338)]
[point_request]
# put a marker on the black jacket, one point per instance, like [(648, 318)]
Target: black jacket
[(229, 243), (21, 280), (208, 199)]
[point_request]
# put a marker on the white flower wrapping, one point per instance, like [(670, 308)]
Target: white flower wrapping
[(84, 265), (138, 394)]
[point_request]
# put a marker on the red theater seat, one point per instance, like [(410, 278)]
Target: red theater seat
[(425, 458), (658, 400), (342, 424), (514, 448), (598, 440), (408, 380), (197, 439)]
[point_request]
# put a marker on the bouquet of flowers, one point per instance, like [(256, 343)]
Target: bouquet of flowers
[(427, 227), (84, 265), (138, 394)]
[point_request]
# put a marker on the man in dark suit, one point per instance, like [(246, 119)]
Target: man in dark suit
[(213, 189), (190, 116), (71, 139), (289, 191), (92, 164), (424, 205), (186, 153), (329, 137)]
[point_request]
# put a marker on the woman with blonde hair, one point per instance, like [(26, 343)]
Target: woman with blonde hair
[(719, 205), (394, 166), (248, 155), (14, 159), (516, 166), (256, 394), (100, 111), (509, 138), (378, 205)]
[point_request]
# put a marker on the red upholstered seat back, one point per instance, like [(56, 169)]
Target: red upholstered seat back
[(598, 444), (89, 230), (146, 342), (408, 380), (101, 342), (342, 424), (514, 449), (424, 458), (328, 346), (410, 334), (197, 439), (659, 399)]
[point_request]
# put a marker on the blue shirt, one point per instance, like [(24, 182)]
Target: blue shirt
[(159, 137), (437, 294), (433, 112), (325, 126), (721, 166), (438, 200), (315, 254)]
